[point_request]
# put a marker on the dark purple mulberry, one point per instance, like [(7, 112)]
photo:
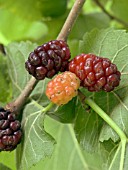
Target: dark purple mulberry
[(48, 59), (10, 130)]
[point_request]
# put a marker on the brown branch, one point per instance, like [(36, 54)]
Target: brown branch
[(19, 102), (112, 17), (63, 35)]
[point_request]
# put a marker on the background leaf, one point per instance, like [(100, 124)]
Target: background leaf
[(4, 167), (87, 127), (120, 9), (37, 8), (88, 22), (18, 28), (7, 161)]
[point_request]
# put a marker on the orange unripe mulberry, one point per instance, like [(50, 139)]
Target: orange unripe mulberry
[(63, 88)]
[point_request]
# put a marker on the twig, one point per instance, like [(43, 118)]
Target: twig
[(112, 17), (63, 35), (19, 102)]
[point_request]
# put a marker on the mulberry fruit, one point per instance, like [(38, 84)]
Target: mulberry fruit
[(63, 88), (96, 73), (48, 59), (10, 130)]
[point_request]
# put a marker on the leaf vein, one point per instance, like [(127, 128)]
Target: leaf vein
[(101, 44), (120, 101), (118, 52)]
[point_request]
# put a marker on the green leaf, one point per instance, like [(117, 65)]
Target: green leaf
[(88, 22), (111, 155), (94, 160), (67, 154), (7, 161), (52, 32), (22, 8), (107, 150), (53, 8), (34, 9), (17, 54), (65, 113), (115, 162), (87, 127), (13, 28), (74, 47), (37, 143), (112, 44), (120, 9)]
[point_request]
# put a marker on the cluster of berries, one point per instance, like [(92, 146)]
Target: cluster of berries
[(94, 73), (10, 130), (86, 70)]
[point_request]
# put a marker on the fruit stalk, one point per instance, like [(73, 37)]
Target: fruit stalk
[(63, 35)]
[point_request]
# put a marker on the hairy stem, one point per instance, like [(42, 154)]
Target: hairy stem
[(110, 15), (106, 118), (63, 35)]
